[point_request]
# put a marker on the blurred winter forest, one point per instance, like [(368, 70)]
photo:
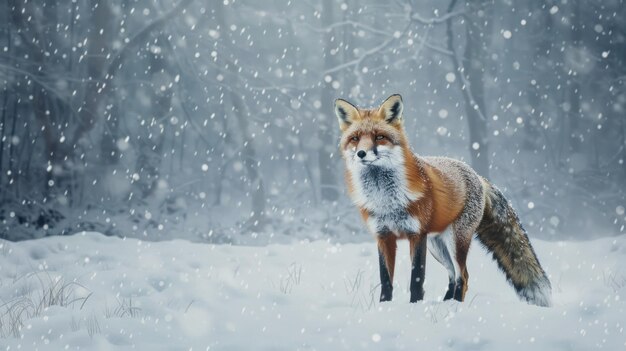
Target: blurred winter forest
[(213, 120)]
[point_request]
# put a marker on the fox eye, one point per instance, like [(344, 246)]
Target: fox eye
[(380, 137), (355, 138)]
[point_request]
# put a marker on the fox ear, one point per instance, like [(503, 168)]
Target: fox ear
[(346, 113), (392, 108)]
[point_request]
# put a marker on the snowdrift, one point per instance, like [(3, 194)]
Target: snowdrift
[(89, 291)]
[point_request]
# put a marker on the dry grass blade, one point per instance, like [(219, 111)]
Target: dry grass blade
[(52, 291)]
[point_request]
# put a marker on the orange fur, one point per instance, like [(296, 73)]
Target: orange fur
[(388, 246), (414, 242), (364, 214), (348, 178), (439, 204), (448, 202)]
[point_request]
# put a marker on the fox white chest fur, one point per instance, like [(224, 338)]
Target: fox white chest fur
[(381, 189)]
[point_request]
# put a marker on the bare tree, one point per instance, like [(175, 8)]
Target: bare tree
[(477, 40), (328, 175), (573, 116), (250, 160), (149, 162)]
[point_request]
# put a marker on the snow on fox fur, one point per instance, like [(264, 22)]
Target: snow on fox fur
[(434, 200)]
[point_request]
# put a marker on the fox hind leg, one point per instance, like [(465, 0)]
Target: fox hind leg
[(460, 287), (462, 240), (438, 247), (387, 259), (464, 228)]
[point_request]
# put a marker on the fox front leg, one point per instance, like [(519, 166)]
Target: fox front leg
[(387, 259)]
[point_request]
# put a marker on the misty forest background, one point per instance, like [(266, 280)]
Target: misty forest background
[(213, 120)]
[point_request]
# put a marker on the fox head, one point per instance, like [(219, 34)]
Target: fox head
[(372, 137)]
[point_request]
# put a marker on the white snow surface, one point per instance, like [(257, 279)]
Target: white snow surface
[(305, 296)]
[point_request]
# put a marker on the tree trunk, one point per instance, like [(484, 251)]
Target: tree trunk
[(5, 101), (149, 161), (540, 41), (477, 40), (250, 160), (574, 114), (258, 219), (478, 30), (622, 159), (328, 177), (98, 43)]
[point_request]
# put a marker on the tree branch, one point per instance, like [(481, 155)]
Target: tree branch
[(436, 20), (141, 37)]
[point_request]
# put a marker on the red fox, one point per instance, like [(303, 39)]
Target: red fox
[(437, 200)]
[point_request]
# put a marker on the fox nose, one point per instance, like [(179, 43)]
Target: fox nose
[(361, 153)]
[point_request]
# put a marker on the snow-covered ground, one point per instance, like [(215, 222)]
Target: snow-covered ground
[(89, 291)]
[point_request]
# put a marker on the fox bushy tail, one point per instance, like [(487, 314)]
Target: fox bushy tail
[(501, 232)]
